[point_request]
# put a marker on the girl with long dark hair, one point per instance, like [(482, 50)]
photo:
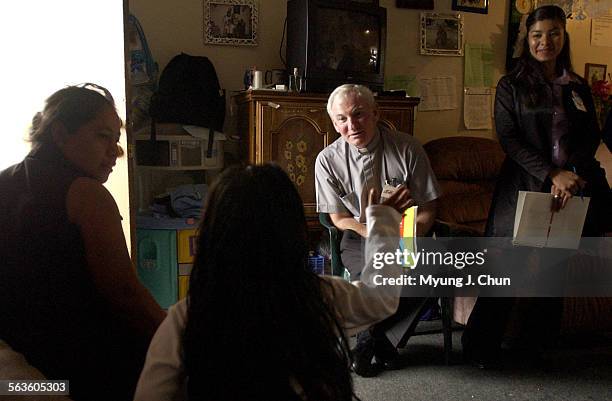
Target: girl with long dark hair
[(257, 323)]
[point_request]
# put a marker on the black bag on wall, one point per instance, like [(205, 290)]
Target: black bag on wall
[(189, 93)]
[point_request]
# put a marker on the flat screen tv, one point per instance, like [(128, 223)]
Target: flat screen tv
[(336, 42)]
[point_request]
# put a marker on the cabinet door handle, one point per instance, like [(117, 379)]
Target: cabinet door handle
[(274, 105), (314, 110)]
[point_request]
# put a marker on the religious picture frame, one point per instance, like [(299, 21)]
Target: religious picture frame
[(230, 22), (594, 72), (471, 6), (441, 34)]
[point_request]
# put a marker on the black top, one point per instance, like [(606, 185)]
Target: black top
[(50, 309), (524, 131)]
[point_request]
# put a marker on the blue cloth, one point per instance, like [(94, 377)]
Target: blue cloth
[(188, 200)]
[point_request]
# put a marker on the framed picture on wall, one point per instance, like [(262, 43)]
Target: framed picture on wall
[(230, 22), (441, 34), (594, 72), (471, 6)]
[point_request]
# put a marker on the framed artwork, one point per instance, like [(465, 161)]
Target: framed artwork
[(594, 72), (230, 22), (524, 6), (441, 34), (471, 6), (415, 4)]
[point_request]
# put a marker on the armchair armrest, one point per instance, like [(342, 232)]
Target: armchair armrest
[(334, 244), (448, 229)]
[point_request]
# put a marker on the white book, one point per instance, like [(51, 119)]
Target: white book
[(535, 224)]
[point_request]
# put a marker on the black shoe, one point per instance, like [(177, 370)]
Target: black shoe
[(385, 353), (483, 358), (363, 359), (479, 351)]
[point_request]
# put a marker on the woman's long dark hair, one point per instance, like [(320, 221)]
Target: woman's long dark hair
[(528, 70), (259, 325)]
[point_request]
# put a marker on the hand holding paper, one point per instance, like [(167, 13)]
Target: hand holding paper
[(565, 184), (535, 224)]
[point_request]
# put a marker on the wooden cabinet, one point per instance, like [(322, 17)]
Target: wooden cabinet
[(291, 130)]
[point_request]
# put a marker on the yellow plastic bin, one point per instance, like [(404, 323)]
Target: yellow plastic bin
[(184, 271), (187, 240)]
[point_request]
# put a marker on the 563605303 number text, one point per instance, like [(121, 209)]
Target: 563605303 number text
[(34, 387)]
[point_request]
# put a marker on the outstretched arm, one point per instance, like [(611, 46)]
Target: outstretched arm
[(362, 303)]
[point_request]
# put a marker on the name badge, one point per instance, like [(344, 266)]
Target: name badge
[(387, 191), (578, 101)]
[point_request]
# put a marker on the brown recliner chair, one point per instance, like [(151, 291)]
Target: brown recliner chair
[(466, 169)]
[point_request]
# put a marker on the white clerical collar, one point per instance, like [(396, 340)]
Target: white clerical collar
[(370, 147)]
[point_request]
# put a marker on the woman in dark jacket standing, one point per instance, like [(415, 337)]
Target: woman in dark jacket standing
[(546, 124)]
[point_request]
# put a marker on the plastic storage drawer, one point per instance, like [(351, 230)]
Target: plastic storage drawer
[(157, 266), (184, 275), (187, 240)]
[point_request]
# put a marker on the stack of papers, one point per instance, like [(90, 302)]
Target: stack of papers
[(536, 225)]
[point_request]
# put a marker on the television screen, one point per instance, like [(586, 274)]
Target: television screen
[(337, 41), (347, 40)]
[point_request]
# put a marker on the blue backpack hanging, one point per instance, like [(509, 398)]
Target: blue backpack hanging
[(143, 69)]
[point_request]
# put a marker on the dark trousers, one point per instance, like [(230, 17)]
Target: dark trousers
[(538, 319), (397, 327), (352, 248), (539, 322)]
